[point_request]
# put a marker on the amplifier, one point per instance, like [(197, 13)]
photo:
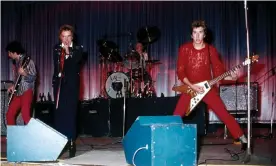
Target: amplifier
[(4, 109), (44, 111), (234, 96), (94, 118)]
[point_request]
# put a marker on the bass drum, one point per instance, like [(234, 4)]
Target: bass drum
[(115, 84)]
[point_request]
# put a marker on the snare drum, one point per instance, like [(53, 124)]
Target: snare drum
[(115, 84)]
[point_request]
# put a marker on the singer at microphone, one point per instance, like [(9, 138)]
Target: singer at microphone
[(66, 88)]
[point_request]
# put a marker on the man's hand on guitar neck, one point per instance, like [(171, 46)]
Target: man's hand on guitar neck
[(21, 71), (234, 76), (10, 89)]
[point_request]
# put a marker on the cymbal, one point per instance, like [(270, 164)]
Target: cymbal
[(148, 34), (109, 50), (106, 45), (115, 57)]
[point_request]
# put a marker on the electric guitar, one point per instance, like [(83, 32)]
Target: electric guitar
[(197, 97), (18, 80)]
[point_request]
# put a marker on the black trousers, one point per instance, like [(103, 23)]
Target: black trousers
[(66, 114)]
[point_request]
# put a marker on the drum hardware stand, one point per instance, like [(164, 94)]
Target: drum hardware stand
[(130, 47), (108, 122), (124, 109), (272, 104), (103, 67), (249, 156), (131, 76), (142, 86)]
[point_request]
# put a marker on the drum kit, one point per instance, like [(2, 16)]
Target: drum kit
[(124, 76)]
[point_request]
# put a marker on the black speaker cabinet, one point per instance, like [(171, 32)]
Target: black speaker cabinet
[(149, 107), (235, 97), (94, 117), (116, 117), (44, 111), (4, 109)]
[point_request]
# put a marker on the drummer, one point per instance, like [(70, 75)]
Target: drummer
[(143, 54)]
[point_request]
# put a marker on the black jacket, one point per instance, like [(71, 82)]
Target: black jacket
[(71, 69)]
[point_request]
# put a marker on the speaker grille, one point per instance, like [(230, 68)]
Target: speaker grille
[(4, 109), (235, 96)]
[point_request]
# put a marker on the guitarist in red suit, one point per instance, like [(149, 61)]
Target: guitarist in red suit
[(23, 94), (66, 84), (197, 62)]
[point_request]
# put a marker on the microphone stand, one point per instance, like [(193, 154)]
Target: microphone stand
[(271, 70), (124, 106), (248, 156)]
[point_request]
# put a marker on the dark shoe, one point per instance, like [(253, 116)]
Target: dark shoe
[(243, 146), (72, 149)]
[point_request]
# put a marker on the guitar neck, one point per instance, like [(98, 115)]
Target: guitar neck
[(20, 76), (217, 79)]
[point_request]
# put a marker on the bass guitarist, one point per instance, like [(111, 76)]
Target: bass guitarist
[(23, 92), (199, 61)]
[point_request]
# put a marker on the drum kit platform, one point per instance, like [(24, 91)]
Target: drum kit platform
[(124, 76)]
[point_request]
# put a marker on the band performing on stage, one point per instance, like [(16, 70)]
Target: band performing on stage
[(146, 83), (127, 76)]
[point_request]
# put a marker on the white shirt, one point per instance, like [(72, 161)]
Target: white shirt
[(143, 58)]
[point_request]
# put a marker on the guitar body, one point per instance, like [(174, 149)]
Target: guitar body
[(195, 97), (16, 85)]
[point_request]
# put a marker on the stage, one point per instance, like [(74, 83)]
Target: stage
[(214, 150), (100, 134)]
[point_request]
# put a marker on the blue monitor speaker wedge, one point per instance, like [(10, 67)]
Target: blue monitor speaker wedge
[(34, 142), (161, 141)]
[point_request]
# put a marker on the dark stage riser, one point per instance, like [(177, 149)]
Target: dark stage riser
[(104, 117)]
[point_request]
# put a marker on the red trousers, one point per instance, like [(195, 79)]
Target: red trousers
[(215, 103), (22, 102)]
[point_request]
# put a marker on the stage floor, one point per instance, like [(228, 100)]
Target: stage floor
[(106, 151)]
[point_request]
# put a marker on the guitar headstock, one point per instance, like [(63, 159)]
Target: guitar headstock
[(252, 59)]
